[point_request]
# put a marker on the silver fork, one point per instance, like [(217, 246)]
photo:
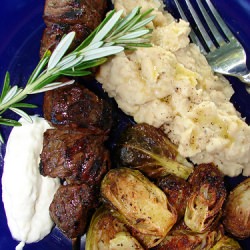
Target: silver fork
[(226, 55)]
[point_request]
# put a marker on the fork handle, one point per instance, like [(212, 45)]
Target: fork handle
[(245, 78)]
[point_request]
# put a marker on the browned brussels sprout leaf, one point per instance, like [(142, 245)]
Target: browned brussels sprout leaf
[(108, 233), (236, 217), (140, 204), (226, 243), (177, 191), (147, 148), (124, 241), (207, 198), (185, 239)]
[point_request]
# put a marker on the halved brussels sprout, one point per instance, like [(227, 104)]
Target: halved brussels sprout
[(186, 239), (236, 217), (124, 241), (108, 233), (147, 148), (140, 204), (177, 191), (226, 243), (207, 198)]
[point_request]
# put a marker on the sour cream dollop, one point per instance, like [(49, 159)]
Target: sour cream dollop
[(26, 193)]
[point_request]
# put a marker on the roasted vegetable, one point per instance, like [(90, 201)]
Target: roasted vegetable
[(226, 243), (188, 240), (182, 238), (236, 217), (207, 198), (177, 190), (106, 232), (147, 148), (140, 204)]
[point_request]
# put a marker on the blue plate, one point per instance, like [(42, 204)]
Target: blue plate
[(21, 27)]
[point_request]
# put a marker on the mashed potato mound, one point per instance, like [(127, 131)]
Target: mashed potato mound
[(171, 85)]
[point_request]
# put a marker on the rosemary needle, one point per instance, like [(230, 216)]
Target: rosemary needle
[(112, 36)]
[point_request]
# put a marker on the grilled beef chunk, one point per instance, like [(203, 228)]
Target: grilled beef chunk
[(53, 34), (76, 155), (76, 106), (61, 17), (72, 207), (87, 12)]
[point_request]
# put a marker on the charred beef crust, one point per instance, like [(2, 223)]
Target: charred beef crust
[(72, 207), (76, 106), (76, 155), (64, 16), (72, 11), (54, 32)]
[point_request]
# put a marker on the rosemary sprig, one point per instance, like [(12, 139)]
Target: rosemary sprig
[(112, 36)]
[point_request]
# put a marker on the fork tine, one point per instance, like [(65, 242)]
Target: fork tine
[(216, 34), (192, 35), (200, 26), (218, 18)]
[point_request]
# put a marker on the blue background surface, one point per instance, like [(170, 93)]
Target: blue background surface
[(21, 27)]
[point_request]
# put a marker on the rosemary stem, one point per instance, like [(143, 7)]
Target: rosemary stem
[(27, 90), (14, 100)]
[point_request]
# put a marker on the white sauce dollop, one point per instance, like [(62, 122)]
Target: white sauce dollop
[(26, 193)]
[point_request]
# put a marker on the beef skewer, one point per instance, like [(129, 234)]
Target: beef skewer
[(75, 153), (74, 150), (76, 243)]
